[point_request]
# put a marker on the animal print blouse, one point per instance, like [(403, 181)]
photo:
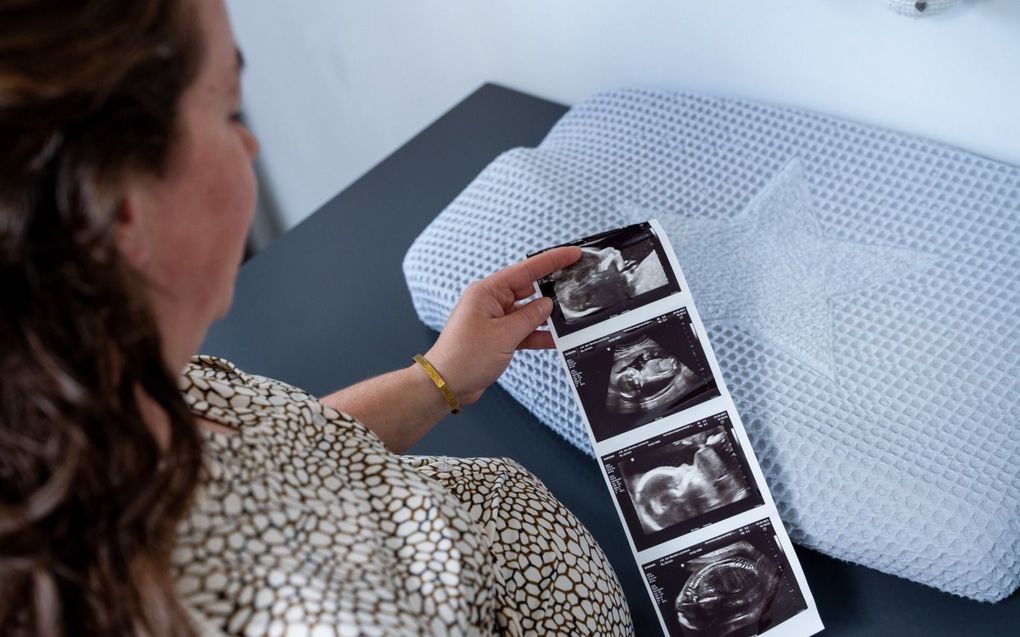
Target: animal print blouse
[(305, 524)]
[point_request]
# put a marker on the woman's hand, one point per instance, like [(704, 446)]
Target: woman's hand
[(488, 325), (476, 345)]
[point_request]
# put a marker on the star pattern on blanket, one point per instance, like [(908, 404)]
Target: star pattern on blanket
[(772, 271)]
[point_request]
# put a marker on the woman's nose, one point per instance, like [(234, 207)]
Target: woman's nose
[(251, 143)]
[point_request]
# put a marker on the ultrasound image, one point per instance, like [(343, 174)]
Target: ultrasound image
[(682, 480), (645, 377), (670, 494), (729, 589), (641, 374), (735, 585), (618, 271)]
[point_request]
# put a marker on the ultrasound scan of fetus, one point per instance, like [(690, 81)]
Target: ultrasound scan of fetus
[(619, 271), (604, 278), (703, 474), (644, 377), (729, 590)]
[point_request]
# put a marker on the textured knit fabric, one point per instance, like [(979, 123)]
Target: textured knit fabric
[(307, 525), (860, 288)]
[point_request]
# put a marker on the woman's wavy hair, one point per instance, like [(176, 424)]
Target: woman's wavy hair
[(89, 500)]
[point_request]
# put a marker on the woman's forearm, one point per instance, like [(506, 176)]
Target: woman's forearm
[(400, 407)]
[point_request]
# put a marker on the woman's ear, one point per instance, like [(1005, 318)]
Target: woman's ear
[(131, 228)]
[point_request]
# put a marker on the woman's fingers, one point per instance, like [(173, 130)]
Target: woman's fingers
[(524, 293), (525, 319), (539, 339), (521, 276), (488, 324)]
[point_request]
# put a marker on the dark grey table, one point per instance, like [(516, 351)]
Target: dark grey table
[(326, 306)]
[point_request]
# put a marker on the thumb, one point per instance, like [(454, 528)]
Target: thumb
[(525, 319)]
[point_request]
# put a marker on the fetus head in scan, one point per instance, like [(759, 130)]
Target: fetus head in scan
[(604, 277), (596, 282), (644, 376), (702, 476), (728, 589), (665, 496)]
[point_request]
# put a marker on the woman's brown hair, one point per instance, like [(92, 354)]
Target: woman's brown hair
[(89, 93)]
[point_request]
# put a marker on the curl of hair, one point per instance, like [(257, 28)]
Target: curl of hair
[(89, 500)]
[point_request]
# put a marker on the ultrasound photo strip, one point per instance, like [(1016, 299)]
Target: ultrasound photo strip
[(676, 458)]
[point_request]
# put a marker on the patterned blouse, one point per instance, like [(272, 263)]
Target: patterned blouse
[(305, 524)]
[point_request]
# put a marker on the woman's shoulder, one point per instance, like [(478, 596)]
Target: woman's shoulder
[(211, 367), (221, 383), (221, 375), (264, 408)]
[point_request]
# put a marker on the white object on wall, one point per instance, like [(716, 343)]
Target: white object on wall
[(333, 87), (919, 8)]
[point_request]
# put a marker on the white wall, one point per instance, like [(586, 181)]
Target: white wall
[(334, 86)]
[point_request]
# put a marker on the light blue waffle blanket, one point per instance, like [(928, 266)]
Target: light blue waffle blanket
[(861, 289)]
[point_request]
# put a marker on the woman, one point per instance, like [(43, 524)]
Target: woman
[(242, 504)]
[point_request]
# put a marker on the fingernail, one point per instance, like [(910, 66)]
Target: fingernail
[(547, 305)]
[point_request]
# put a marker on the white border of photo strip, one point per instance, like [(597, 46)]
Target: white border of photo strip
[(806, 622)]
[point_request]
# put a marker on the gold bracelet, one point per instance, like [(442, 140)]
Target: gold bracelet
[(441, 385)]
